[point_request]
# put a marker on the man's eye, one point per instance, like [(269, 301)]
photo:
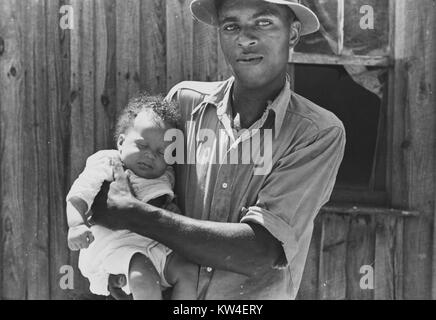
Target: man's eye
[(264, 23), (230, 27)]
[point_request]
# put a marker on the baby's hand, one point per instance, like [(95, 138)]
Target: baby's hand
[(79, 237)]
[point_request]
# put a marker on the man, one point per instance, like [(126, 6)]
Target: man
[(248, 232)]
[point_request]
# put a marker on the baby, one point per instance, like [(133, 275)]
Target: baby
[(148, 266)]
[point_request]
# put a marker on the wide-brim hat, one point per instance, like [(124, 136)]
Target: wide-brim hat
[(205, 11)]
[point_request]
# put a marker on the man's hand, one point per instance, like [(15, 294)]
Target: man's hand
[(120, 196), (113, 200), (115, 283), (79, 237)]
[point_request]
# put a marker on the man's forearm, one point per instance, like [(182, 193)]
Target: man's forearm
[(236, 247)]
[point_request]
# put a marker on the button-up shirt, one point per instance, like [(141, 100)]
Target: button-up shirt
[(277, 174)]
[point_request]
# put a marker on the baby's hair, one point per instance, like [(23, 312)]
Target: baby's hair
[(167, 111)]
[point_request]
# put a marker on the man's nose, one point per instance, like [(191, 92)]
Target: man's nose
[(246, 39)]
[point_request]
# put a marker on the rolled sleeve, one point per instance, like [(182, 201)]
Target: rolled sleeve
[(299, 185), (278, 227)]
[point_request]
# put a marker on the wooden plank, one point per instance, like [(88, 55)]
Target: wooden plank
[(82, 117), (387, 267), (372, 211), (413, 135), (107, 108), (153, 46), (82, 86), (205, 52), (340, 25), (399, 261), (58, 125), (179, 42), (36, 190), (332, 279), (11, 157), (360, 253), (305, 58), (309, 284), (378, 172), (431, 52), (104, 64), (127, 50)]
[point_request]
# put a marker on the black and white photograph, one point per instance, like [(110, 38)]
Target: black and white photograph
[(217, 150)]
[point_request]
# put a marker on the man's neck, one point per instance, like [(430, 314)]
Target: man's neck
[(250, 103)]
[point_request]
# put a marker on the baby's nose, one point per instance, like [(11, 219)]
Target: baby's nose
[(148, 154)]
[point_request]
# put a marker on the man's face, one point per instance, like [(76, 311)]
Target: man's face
[(255, 38)]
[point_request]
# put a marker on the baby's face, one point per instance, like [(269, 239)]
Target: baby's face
[(142, 147)]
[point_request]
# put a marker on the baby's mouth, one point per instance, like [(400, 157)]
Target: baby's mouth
[(144, 165)]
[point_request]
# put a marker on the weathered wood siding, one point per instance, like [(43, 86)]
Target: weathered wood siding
[(343, 244), (60, 91)]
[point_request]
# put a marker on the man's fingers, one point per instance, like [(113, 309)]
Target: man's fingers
[(118, 171), (115, 283), (90, 237), (120, 177), (122, 280), (99, 206), (119, 294)]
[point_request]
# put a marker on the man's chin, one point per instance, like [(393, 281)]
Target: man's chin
[(252, 80)]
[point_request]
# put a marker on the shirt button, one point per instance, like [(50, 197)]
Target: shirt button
[(225, 185), (209, 269)]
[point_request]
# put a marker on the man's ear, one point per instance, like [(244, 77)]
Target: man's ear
[(295, 34), (120, 140)]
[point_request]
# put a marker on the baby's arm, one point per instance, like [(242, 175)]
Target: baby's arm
[(79, 234), (82, 194)]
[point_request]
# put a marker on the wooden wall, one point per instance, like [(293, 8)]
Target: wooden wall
[(59, 94), (412, 113), (341, 245)]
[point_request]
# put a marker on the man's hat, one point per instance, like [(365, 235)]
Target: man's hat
[(205, 11)]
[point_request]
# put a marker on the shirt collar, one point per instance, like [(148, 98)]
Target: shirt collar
[(221, 98)]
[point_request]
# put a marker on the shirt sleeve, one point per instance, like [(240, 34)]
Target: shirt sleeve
[(298, 186), (97, 170)]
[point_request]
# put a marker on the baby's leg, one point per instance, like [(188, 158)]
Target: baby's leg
[(183, 276), (144, 280)]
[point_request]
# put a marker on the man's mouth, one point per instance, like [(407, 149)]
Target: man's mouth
[(250, 59)]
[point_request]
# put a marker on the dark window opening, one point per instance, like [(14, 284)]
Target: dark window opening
[(332, 88)]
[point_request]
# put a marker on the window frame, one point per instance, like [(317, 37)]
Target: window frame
[(358, 195)]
